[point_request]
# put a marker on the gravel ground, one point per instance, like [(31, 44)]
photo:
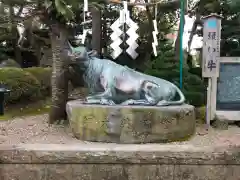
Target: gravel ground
[(34, 129)]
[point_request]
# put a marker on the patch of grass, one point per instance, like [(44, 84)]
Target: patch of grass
[(200, 114), (27, 109)]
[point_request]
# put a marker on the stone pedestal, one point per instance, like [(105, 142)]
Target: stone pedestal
[(131, 124)]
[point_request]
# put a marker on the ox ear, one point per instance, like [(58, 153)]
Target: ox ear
[(70, 47), (93, 53), (71, 56)]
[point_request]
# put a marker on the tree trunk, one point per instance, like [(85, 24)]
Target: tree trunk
[(17, 53), (59, 76), (96, 30), (148, 46), (177, 42), (150, 36), (38, 53), (104, 35)]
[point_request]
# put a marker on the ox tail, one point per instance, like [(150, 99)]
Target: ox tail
[(179, 102)]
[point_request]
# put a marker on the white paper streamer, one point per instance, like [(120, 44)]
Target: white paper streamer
[(155, 25), (121, 17), (133, 36), (84, 35), (115, 37), (155, 33), (85, 31), (85, 8), (124, 17), (117, 50), (125, 7)]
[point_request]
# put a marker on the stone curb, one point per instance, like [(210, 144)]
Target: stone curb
[(119, 154)]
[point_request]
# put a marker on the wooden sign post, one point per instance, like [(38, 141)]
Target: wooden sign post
[(211, 55), (211, 45)]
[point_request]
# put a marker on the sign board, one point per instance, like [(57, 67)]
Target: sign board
[(211, 45), (228, 87)]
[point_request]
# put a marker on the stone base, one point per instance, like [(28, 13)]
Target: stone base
[(118, 162), (131, 124)]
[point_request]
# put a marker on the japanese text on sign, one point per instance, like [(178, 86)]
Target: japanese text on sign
[(212, 35), (211, 47)]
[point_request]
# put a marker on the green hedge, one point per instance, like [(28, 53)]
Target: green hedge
[(43, 75), (21, 83), (9, 63), (26, 84)]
